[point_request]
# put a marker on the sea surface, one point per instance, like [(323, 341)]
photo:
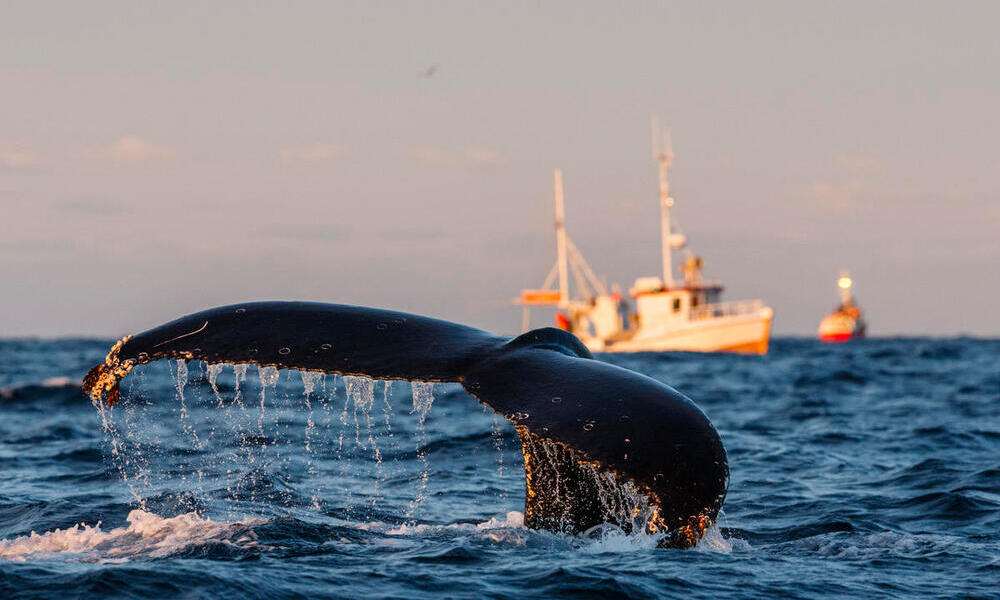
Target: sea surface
[(860, 470)]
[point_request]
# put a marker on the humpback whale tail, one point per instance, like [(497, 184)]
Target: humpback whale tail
[(595, 437)]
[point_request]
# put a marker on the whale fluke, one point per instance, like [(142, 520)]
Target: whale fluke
[(601, 443)]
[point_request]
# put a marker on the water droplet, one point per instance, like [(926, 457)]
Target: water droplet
[(588, 426), (624, 418), (326, 346), (284, 350), (240, 311), (381, 327), (556, 400)]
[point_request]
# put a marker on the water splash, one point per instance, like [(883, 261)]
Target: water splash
[(380, 475), (513, 520), (180, 376), (119, 457), (619, 502), (268, 379), (279, 454), (360, 392), (423, 399), (713, 541), (310, 379), (497, 436), (180, 384), (147, 536), (213, 375), (611, 539), (622, 503), (240, 376), (134, 460), (387, 407), (361, 396)]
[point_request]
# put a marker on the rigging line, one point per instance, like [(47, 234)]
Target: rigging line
[(551, 277), (581, 281), (594, 281)]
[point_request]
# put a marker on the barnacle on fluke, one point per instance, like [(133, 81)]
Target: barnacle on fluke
[(601, 443), (102, 380)]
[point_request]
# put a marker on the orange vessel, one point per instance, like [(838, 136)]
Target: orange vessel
[(846, 321)]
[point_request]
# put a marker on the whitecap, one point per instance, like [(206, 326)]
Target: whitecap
[(147, 536)]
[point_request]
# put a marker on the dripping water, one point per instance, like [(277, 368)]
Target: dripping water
[(497, 436), (180, 383), (268, 379), (213, 376), (423, 399), (309, 381)]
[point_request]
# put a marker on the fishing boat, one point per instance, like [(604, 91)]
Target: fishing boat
[(845, 322), (685, 313)]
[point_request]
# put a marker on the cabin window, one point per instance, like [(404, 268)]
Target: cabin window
[(677, 304)]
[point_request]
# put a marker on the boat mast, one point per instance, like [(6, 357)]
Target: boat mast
[(561, 241), (664, 156)]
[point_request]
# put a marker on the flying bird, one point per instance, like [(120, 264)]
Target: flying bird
[(431, 71)]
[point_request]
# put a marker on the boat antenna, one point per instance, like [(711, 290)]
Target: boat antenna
[(663, 154), (561, 240)]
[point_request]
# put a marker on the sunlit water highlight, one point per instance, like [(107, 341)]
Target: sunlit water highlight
[(866, 469)]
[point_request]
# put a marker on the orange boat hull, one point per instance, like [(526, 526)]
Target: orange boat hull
[(835, 337)]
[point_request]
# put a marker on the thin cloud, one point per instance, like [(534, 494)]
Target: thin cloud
[(470, 156), (860, 163), (481, 156), (837, 197), (99, 208), (39, 247), (18, 158), (327, 234), (132, 150), (311, 154)]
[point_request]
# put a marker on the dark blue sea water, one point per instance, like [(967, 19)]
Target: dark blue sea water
[(868, 469)]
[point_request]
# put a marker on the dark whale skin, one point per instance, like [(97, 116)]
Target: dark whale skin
[(601, 418)]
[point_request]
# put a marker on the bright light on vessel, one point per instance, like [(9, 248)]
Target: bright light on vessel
[(844, 282)]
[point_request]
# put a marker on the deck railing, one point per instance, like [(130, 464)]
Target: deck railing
[(726, 309)]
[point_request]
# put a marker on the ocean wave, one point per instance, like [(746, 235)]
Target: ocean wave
[(858, 470), (882, 545), (147, 535), (510, 530), (493, 528), (39, 389)]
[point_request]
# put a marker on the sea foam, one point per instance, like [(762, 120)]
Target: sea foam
[(147, 535)]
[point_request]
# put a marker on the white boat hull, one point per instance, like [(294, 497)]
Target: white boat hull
[(745, 333)]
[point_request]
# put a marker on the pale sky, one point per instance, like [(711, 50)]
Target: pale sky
[(158, 159)]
